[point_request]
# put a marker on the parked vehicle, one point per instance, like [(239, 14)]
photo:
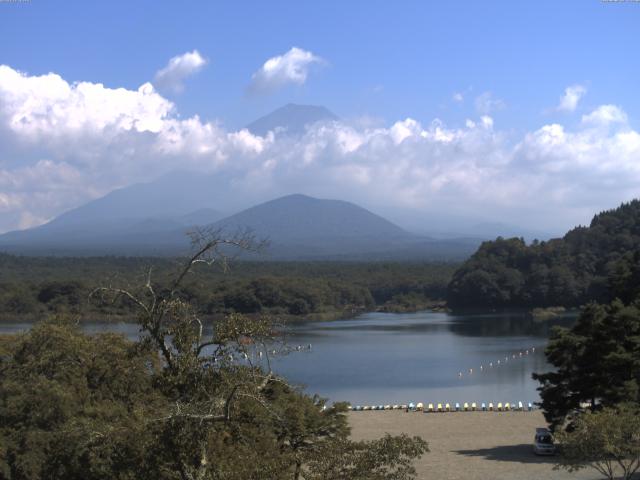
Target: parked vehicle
[(543, 442)]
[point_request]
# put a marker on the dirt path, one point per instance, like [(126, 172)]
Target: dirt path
[(469, 445)]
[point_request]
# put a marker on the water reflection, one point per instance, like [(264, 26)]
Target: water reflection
[(397, 358), (507, 324), (381, 358)]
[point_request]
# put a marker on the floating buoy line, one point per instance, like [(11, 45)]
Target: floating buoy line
[(500, 362), (259, 354)]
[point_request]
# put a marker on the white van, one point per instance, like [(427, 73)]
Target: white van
[(543, 442)]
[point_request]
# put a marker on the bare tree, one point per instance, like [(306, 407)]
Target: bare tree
[(206, 371), (221, 399)]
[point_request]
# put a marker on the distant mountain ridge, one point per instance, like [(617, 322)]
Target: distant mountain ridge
[(298, 227), (299, 217), (293, 119), (152, 218)]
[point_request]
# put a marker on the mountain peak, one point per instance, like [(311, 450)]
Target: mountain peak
[(299, 217), (292, 118)]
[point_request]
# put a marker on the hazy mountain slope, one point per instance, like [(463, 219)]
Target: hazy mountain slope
[(302, 227), (292, 118), (174, 194), (124, 217), (164, 199), (300, 217), (298, 227)]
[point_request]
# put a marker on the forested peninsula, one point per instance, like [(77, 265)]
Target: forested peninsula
[(599, 262)]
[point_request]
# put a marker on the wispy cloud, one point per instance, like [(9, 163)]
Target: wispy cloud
[(292, 67), (572, 96), (486, 103), (179, 68)]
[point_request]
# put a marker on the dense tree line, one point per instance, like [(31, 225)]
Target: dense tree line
[(595, 263), (34, 286)]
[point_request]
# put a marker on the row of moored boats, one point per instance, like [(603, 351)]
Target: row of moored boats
[(447, 407)]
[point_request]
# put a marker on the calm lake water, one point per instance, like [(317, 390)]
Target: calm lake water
[(386, 358)]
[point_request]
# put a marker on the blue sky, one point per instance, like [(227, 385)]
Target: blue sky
[(523, 112), (386, 59)]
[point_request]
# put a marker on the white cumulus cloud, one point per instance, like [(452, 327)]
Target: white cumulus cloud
[(605, 115), (572, 96), (179, 68), (291, 67), (63, 144)]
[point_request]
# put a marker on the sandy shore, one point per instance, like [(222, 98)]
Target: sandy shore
[(469, 445)]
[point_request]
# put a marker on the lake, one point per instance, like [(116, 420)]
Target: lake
[(387, 358)]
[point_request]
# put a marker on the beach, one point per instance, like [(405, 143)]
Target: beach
[(469, 445)]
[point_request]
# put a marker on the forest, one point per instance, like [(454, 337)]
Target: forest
[(599, 262), (173, 404), (33, 286)]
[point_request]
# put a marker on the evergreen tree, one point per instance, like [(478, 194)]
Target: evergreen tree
[(597, 362)]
